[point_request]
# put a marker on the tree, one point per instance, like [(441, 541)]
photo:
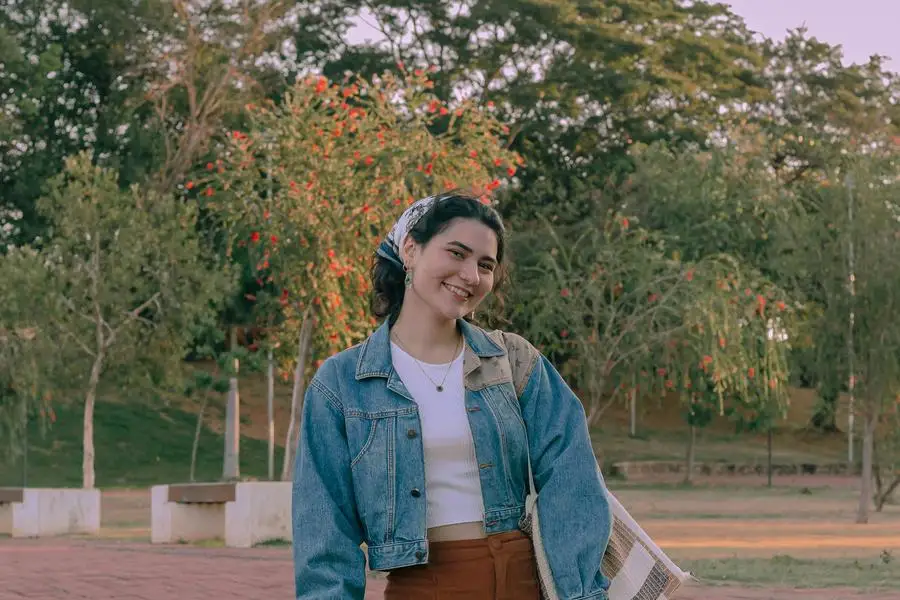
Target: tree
[(127, 278), (625, 319), (578, 82), (310, 188), (843, 244), (25, 376)]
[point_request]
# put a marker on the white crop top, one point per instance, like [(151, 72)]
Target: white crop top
[(452, 481)]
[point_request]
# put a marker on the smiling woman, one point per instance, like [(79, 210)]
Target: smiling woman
[(417, 441)]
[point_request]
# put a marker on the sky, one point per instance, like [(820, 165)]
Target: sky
[(861, 27)]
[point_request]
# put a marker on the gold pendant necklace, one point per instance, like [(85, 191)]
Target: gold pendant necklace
[(438, 386)]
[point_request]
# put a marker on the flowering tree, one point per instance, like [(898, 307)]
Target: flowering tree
[(310, 189), (629, 320)]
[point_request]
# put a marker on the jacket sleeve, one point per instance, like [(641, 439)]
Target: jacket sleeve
[(328, 561), (573, 505)]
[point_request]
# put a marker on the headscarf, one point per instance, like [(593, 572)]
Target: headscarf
[(391, 245)]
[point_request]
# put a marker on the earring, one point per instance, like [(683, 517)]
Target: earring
[(407, 281)]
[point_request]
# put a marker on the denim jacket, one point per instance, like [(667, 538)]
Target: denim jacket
[(360, 468)]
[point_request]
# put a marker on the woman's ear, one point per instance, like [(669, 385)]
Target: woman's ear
[(408, 252)]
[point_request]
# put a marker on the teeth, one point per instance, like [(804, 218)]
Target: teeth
[(457, 290)]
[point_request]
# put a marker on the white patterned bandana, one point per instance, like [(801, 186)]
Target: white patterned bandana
[(391, 245)]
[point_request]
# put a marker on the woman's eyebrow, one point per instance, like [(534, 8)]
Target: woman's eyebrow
[(469, 250)]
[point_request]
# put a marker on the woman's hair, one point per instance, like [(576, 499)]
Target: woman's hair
[(388, 285)]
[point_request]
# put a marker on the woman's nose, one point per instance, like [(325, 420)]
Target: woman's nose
[(469, 274)]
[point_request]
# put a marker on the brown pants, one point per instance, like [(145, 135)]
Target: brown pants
[(499, 567)]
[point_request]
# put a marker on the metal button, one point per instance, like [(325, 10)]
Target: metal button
[(411, 433), (415, 493)]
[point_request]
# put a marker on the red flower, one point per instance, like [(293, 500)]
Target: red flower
[(209, 166), (330, 253), (661, 372), (429, 168), (369, 160), (625, 223), (564, 292), (209, 191), (254, 237), (689, 275), (189, 185), (511, 171), (274, 239), (473, 154), (321, 85), (564, 333), (751, 372), (444, 111)]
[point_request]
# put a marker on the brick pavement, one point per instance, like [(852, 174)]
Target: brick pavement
[(57, 569), (66, 568)]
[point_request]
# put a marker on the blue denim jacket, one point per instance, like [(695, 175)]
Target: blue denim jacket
[(360, 468)]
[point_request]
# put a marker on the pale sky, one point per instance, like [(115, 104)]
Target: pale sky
[(861, 27)]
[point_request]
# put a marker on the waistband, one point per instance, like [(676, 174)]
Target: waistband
[(462, 550)]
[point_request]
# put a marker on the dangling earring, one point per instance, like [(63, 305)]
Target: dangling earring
[(407, 281)]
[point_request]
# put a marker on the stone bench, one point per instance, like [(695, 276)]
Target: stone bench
[(242, 514), (41, 512)]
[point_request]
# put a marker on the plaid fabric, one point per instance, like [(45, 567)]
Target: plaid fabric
[(638, 568)]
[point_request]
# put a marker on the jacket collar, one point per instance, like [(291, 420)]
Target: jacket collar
[(375, 353)]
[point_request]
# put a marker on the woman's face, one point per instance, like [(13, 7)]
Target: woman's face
[(454, 271)]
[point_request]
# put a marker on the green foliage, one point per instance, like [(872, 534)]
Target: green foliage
[(627, 318), (129, 273)]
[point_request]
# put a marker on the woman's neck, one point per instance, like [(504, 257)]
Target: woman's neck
[(432, 340)]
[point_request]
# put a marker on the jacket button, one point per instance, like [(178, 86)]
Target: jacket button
[(419, 555), (415, 493), (411, 433)]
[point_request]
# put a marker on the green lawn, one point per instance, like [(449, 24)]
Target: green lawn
[(136, 445), (882, 572)]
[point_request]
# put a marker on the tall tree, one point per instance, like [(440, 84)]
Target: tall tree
[(127, 279)]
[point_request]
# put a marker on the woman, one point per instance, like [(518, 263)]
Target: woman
[(416, 442)]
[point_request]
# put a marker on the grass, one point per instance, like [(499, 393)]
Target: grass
[(135, 445), (139, 443), (790, 446), (881, 572)]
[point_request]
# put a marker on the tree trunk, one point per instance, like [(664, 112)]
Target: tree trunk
[(197, 430), (87, 462), (689, 472), (769, 456), (270, 406), (632, 427), (865, 492), (304, 343), (231, 466)]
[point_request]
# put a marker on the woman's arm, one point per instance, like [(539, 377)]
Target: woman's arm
[(573, 505), (328, 561)]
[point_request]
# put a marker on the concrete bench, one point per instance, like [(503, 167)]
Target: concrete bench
[(242, 514), (41, 512)]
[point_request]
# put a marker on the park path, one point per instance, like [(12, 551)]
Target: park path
[(57, 569)]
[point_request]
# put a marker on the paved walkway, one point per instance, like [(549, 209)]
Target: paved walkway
[(69, 569), (57, 569)]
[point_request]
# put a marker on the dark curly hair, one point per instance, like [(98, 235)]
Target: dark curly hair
[(388, 279)]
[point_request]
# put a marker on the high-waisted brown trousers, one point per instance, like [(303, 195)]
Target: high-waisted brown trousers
[(499, 567)]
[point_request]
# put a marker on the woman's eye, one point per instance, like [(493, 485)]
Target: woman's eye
[(456, 253), (487, 266)]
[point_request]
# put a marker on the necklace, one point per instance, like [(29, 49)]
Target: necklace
[(438, 386)]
